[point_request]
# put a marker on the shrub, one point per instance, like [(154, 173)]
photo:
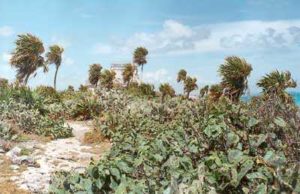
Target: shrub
[(48, 93), (192, 146)]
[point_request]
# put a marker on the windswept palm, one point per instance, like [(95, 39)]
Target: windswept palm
[(190, 84), (54, 56), (139, 57), (181, 76), (27, 56), (107, 78), (276, 83), (166, 90), (204, 91), (128, 74), (94, 74), (235, 72)]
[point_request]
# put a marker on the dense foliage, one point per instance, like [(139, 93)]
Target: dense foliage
[(23, 110), (192, 146)]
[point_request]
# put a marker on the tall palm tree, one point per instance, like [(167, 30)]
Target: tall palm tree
[(54, 56), (215, 92), (190, 84), (276, 83), (128, 74), (235, 72), (94, 74), (166, 90), (181, 76), (27, 56), (139, 57), (107, 78), (204, 91)]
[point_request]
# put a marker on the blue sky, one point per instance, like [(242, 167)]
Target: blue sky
[(194, 35)]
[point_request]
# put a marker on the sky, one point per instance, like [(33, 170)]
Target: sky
[(193, 35)]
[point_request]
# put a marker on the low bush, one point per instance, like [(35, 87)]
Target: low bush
[(192, 147)]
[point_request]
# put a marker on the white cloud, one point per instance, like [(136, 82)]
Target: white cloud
[(6, 31), (6, 57), (158, 76), (178, 38)]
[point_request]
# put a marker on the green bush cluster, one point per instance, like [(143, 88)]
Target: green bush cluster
[(28, 111), (185, 146)]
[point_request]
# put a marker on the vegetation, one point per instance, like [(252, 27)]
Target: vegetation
[(234, 73), (276, 84), (189, 83), (54, 56), (26, 111), (139, 57), (166, 90), (27, 56), (192, 146), (94, 74), (107, 79), (128, 74), (212, 144)]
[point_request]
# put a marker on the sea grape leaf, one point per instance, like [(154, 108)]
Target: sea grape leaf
[(246, 166), (235, 156), (275, 159), (252, 122), (280, 122), (115, 172), (257, 140), (232, 139), (256, 175), (213, 130)]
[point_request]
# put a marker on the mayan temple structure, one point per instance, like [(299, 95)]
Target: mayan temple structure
[(119, 68)]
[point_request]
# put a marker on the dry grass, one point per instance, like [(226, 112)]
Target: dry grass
[(6, 185), (93, 137)]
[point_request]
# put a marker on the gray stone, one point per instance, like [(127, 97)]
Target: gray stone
[(14, 167)]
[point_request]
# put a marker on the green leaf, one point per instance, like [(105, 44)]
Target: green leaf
[(123, 166), (115, 172), (246, 166), (252, 122), (235, 156), (257, 140), (232, 139), (280, 122), (256, 175), (275, 159)]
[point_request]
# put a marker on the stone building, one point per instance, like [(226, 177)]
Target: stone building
[(119, 68)]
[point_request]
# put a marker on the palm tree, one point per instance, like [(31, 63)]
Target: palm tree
[(181, 76), (128, 74), (54, 56), (26, 57), (139, 57), (215, 92), (166, 90), (204, 91), (235, 72), (94, 74), (190, 85), (276, 83), (107, 78)]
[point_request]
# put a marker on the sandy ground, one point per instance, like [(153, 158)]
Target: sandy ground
[(62, 154)]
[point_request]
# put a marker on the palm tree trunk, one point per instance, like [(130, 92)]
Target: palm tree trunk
[(162, 98), (55, 77), (26, 79), (187, 95)]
